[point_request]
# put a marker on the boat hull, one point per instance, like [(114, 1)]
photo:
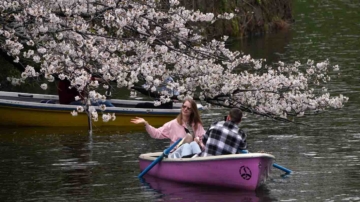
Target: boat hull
[(24, 109), (18, 116), (240, 171)]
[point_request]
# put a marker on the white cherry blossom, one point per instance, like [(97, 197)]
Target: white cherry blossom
[(74, 113), (144, 45), (44, 86)]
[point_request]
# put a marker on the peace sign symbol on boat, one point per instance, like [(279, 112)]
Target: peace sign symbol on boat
[(245, 172)]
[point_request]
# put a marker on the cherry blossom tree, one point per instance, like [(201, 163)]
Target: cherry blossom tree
[(143, 42)]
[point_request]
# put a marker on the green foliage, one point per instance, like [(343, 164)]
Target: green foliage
[(224, 6), (268, 12), (235, 27), (7, 69)]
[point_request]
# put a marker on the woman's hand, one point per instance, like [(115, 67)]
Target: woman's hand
[(138, 120), (199, 142)]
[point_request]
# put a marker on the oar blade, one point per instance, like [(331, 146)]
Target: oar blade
[(287, 171)]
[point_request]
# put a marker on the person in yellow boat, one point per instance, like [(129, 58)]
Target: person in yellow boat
[(188, 118), (67, 95)]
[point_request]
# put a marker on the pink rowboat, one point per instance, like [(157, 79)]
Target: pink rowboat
[(240, 171)]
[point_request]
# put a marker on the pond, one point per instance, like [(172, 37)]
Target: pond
[(57, 164)]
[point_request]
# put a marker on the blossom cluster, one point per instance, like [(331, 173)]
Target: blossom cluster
[(130, 42)]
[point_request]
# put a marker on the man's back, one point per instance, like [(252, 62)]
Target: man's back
[(223, 137)]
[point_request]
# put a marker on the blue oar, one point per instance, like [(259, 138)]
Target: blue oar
[(165, 153), (287, 171)]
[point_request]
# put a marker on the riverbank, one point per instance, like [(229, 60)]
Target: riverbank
[(252, 17)]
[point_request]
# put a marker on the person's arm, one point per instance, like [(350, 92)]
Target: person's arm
[(199, 134), (242, 144), (159, 133), (207, 133), (205, 137), (200, 131)]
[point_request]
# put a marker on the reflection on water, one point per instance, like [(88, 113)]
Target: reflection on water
[(173, 191), (75, 163)]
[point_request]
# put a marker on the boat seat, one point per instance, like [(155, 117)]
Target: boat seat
[(188, 156), (48, 101), (168, 105)]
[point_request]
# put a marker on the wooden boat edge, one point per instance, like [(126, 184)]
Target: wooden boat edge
[(153, 156), (44, 106), (56, 97)]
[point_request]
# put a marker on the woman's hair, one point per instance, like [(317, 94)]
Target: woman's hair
[(194, 116)]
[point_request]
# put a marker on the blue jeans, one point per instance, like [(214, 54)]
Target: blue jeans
[(186, 150), (242, 151)]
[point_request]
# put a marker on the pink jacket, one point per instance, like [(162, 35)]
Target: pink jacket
[(173, 130)]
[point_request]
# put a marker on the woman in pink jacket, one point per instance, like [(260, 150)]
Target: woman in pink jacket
[(188, 118)]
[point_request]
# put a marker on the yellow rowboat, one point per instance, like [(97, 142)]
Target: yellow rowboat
[(25, 109)]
